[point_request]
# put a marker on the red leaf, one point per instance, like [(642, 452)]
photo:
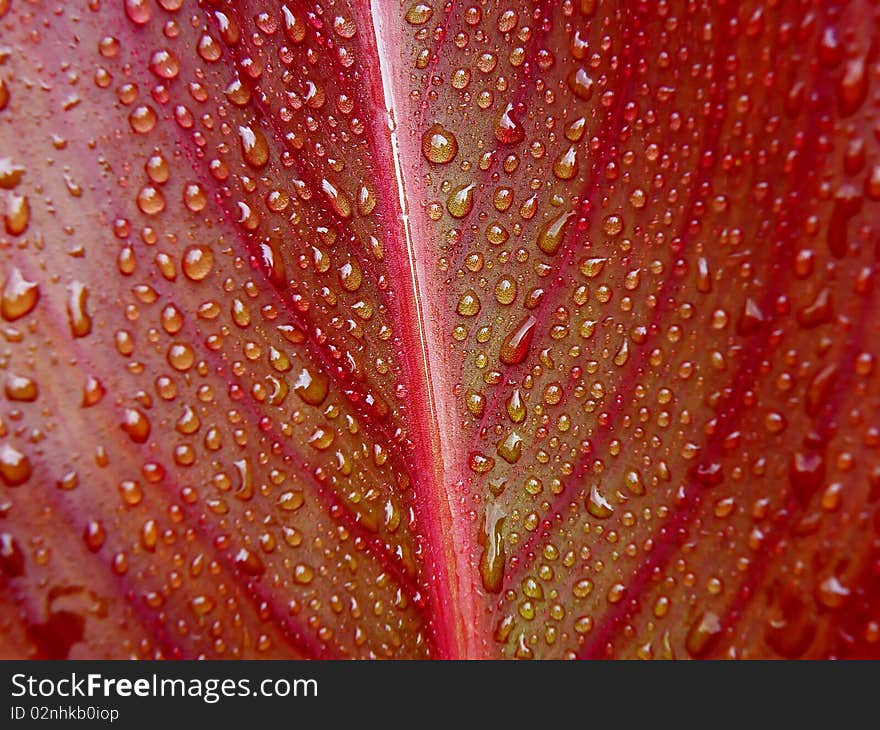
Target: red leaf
[(531, 330)]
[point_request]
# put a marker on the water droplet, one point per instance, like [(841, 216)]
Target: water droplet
[(142, 119), (439, 145), (312, 386), (249, 562), (136, 425), (597, 505), (93, 392), (469, 304), (703, 634), (806, 474), (419, 13), (254, 147), (181, 356), (20, 388), (150, 200), (194, 197), (77, 310), (510, 447), (493, 556), (138, 11), (18, 214), (552, 233), (303, 574), (19, 296), (11, 556), (350, 276), (566, 165), (516, 345), (15, 467), (507, 129), (461, 201), (10, 174), (581, 84), (294, 26), (751, 318), (338, 199), (290, 501), (516, 407), (164, 64), (197, 262)]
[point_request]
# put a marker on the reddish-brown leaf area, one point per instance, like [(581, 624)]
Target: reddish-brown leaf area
[(479, 329)]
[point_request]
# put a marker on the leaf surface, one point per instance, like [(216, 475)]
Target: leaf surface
[(519, 329)]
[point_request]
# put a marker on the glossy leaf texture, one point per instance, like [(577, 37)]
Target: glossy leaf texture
[(418, 330)]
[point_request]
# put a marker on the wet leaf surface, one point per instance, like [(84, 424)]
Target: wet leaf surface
[(486, 329)]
